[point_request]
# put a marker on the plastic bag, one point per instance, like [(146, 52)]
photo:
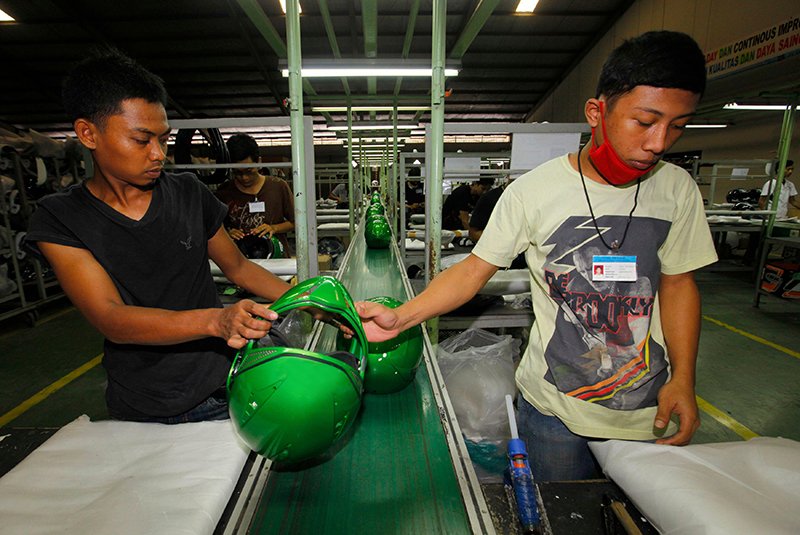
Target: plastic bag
[(478, 371)]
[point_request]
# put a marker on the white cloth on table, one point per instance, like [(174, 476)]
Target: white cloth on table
[(724, 488), (124, 478)]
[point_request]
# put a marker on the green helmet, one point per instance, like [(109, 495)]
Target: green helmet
[(376, 198), (392, 364), (376, 209), (377, 232), (291, 404), (277, 248)]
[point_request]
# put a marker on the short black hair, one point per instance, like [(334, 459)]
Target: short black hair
[(96, 87), (789, 163), (486, 181), (658, 59), (241, 146)]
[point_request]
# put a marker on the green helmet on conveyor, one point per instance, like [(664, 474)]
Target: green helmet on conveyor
[(392, 364), (376, 198), (291, 404), (377, 232), (376, 209)]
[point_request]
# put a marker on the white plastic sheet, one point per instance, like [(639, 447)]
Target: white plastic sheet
[(276, 266), (120, 478), (725, 488)]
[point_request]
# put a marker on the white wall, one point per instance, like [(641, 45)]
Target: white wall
[(711, 23)]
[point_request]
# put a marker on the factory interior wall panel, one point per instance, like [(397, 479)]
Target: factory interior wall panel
[(710, 22), (759, 142)]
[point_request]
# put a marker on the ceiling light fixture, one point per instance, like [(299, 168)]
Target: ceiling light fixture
[(283, 6), (5, 17), (374, 127), (326, 109), (756, 107), (706, 125), (367, 68), (526, 6)]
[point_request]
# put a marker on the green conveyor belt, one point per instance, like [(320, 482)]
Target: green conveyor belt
[(393, 473)]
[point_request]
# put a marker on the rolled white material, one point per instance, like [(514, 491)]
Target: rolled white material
[(124, 478), (504, 282), (731, 487), (334, 226)]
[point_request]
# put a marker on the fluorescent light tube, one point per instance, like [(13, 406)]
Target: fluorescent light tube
[(526, 6), (360, 72), (761, 107)]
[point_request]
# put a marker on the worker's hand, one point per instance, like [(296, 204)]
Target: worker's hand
[(263, 230), (235, 233), (243, 321), (380, 322), (679, 399)]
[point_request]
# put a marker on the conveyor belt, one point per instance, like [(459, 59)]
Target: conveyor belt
[(402, 469)]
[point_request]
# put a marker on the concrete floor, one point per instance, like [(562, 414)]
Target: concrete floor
[(748, 369)]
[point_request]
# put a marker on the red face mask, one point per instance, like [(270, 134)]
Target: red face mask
[(608, 163)]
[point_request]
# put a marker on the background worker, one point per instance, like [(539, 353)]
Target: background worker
[(480, 218), (787, 196), (258, 204), (131, 246), (611, 355), (459, 204)]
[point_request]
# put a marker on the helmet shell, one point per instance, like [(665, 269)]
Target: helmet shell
[(376, 209), (392, 364), (253, 246), (375, 198), (277, 248), (377, 233), (291, 404)]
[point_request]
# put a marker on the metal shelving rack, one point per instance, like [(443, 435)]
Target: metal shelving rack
[(29, 295)]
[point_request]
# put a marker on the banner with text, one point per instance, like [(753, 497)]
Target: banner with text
[(772, 44)]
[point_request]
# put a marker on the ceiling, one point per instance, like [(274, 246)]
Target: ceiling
[(216, 61)]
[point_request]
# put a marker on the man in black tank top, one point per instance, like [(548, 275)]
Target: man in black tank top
[(130, 247)]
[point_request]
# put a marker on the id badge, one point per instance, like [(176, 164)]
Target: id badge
[(256, 207), (614, 268)]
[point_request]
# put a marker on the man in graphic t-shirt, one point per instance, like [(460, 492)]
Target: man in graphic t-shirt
[(258, 204), (611, 355)]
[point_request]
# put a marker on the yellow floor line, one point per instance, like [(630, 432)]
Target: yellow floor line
[(42, 394), (740, 429), (753, 337)]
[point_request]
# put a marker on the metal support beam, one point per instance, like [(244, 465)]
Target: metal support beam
[(784, 142), (434, 151), (350, 191), (410, 26), (302, 227), (331, 33), (473, 27)]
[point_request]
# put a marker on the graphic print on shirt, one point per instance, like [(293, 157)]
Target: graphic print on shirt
[(601, 350), (240, 216)]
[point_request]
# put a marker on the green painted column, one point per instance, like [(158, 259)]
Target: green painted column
[(350, 190), (434, 154), (787, 128), (394, 193), (298, 153)]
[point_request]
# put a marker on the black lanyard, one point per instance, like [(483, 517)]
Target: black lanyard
[(615, 245)]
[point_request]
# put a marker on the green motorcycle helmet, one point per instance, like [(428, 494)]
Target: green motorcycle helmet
[(376, 198), (392, 364), (291, 404), (376, 209), (377, 232)]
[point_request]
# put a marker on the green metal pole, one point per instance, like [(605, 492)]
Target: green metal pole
[(351, 193), (434, 156), (394, 192), (784, 142), (298, 153)]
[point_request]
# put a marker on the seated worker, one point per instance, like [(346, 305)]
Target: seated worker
[(131, 246), (339, 194), (457, 207), (415, 198), (258, 204), (788, 194), (612, 355), (480, 218)]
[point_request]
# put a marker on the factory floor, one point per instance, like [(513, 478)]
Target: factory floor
[(747, 378)]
